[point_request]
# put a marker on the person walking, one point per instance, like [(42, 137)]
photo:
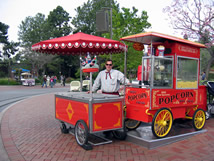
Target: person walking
[(61, 79), (48, 80), (52, 81), (44, 81), (109, 80)]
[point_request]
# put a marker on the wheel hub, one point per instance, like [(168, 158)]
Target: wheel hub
[(163, 123), (199, 119)]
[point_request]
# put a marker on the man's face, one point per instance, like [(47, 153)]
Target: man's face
[(109, 65)]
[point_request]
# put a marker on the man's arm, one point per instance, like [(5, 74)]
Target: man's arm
[(121, 78), (97, 83)]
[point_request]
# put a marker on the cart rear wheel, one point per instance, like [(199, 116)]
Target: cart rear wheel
[(63, 128), (132, 124), (198, 119), (81, 133), (120, 134), (162, 123)]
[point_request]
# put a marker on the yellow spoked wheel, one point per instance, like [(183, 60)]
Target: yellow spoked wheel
[(198, 119), (162, 123), (132, 124)]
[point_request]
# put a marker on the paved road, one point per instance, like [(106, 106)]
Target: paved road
[(12, 94), (30, 132)]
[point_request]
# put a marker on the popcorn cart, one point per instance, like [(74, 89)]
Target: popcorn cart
[(168, 83)]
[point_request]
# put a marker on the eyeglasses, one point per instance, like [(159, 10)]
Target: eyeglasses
[(108, 64)]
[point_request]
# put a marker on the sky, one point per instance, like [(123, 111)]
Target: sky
[(12, 12)]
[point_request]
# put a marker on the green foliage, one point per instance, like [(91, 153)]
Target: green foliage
[(38, 81), (3, 33), (58, 22), (205, 56), (39, 28), (9, 48), (127, 22), (6, 81), (33, 30), (85, 20)]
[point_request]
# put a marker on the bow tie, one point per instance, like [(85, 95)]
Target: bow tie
[(107, 75)]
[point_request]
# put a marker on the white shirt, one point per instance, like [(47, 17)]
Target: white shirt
[(112, 83)]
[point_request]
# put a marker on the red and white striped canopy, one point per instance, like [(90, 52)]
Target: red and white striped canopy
[(79, 43)]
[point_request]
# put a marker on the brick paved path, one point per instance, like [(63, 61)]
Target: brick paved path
[(30, 132)]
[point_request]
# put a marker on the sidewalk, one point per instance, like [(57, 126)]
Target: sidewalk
[(30, 132)]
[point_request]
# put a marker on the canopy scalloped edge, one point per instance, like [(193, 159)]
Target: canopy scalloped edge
[(99, 48)]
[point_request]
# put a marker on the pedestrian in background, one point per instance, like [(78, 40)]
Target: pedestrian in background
[(203, 76), (64, 80), (48, 80), (52, 81), (44, 81), (55, 79), (61, 79)]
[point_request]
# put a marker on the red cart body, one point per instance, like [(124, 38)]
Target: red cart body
[(170, 74), (100, 113)]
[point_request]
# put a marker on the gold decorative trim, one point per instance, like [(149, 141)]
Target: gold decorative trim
[(118, 123), (96, 106), (149, 113), (196, 99), (69, 111), (96, 126), (86, 107), (127, 90), (195, 108), (154, 98), (118, 105), (57, 115), (57, 100)]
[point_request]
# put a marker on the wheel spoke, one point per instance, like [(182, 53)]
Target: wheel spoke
[(162, 123)]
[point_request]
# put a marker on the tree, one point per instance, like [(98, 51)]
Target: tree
[(196, 20), (125, 22), (85, 19), (9, 48), (58, 22), (31, 31), (3, 33), (39, 28)]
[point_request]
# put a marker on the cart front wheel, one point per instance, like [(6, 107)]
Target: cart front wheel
[(132, 124), (198, 120), (81, 133), (162, 123)]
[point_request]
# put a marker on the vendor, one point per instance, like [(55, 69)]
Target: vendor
[(109, 80)]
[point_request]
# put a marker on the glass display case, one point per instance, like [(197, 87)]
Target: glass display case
[(157, 71), (187, 73)]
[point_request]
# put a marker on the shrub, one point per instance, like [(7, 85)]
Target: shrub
[(69, 79), (6, 81)]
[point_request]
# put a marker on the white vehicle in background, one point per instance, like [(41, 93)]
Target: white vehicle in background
[(27, 80)]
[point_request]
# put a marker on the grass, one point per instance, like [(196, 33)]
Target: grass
[(6, 81)]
